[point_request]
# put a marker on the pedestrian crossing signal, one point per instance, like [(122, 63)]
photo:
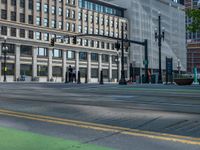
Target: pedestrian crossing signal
[(52, 42)]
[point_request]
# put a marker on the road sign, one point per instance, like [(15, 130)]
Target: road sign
[(169, 66)]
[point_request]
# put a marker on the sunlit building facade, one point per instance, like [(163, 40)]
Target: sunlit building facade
[(29, 26)]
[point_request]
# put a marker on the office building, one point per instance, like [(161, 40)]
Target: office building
[(29, 26)]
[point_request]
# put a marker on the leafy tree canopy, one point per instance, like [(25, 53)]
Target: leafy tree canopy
[(194, 14)]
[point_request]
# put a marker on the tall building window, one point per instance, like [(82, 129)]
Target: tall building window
[(26, 50), (30, 19), (57, 53), (70, 55), (67, 13), (22, 3), (73, 27), (22, 17), (46, 8), (80, 29), (3, 14), (73, 14), (53, 10), (30, 4), (60, 25), (86, 29), (38, 6), (94, 57), (79, 16), (37, 35), (97, 44), (68, 1), (30, 34), (38, 21), (60, 11), (91, 19), (97, 20), (13, 2), (42, 51), (82, 55), (3, 30), (13, 32), (85, 42), (73, 2), (53, 23), (46, 22), (102, 45), (22, 33), (13, 16), (86, 17), (46, 36), (105, 58), (68, 26)]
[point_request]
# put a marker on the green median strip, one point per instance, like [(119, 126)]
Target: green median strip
[(11, 139)]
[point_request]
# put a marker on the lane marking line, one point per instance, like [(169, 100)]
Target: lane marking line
[(101, 127)]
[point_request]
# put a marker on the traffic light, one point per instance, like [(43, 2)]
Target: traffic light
[(117, 45), (74, 40), (52, 42)]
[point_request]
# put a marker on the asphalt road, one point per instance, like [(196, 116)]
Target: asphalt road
[(138, 117)]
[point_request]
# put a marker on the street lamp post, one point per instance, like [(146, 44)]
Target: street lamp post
[(5, 50), (159, 36), (127, 44)]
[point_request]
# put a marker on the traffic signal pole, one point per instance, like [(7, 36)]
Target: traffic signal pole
[(144, 43)]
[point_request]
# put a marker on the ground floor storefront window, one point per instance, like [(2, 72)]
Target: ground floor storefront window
[(94, 73), (26, 70), (42, 70), (57, 71)]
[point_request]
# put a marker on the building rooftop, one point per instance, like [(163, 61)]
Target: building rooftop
[(108, 4)]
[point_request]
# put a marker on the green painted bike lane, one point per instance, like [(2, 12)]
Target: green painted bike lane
[(12, 139)]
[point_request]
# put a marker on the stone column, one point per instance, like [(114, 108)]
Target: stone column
[(89, 67), (100, 64), (57, 15), (77, 64), (34, 11), (18, 11), (34, 62), (26, 11), (110, 68), (64, 64), (17, 62), (50, 63), (64, 15), (50, 15), (8, 31), (8, 9)]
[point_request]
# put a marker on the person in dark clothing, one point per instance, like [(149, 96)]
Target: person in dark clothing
[(70, 73)]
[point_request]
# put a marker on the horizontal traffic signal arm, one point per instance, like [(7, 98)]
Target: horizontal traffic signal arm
[(103, 36)]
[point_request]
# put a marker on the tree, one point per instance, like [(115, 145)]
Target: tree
[(194, 14)]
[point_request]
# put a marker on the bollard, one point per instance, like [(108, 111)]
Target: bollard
[(86, 78), (101, 77), (79, 78)]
